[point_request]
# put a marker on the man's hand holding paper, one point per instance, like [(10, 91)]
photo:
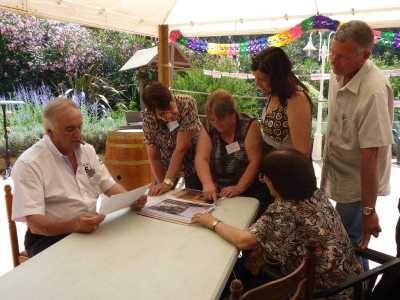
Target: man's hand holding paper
[(134, 199), (88, 222)]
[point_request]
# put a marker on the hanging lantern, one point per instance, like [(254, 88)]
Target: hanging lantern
[(310, 46)]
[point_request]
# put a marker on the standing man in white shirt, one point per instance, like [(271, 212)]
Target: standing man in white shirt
[(357, 158), (58, 180)]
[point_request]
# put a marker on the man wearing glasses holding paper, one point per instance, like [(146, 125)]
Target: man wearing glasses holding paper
[(57, 181)]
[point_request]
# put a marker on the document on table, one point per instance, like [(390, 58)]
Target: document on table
[(116, 202), (176, 210)]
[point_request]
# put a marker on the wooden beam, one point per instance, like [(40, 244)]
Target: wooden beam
[(164, 64)]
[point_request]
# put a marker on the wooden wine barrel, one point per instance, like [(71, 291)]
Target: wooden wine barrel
[(126, 158)]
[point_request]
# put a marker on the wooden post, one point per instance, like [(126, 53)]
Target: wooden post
[(236, 289), (141, 88), (164, 63)]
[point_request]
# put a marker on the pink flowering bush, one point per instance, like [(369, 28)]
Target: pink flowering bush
[(35, 50), (67, 47)]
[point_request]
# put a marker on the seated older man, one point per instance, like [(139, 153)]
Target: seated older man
[(58, 180)]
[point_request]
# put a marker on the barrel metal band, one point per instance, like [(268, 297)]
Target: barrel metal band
[(115, 162), (130, 146)]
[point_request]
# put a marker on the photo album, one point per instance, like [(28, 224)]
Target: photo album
[(179, 206)]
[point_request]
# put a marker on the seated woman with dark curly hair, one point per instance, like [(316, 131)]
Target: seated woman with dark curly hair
[(300, 212)]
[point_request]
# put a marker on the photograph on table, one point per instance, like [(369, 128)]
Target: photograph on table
[(176, 210)]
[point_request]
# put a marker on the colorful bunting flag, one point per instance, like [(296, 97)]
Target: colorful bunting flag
[(253, 46)]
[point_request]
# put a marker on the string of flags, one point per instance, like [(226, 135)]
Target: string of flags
[(313, 76), (218, 74), (253, 46)]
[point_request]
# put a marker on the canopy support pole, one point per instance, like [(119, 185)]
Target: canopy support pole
[(164, 64)]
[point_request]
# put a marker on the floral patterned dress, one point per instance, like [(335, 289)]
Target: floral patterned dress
[(285, 227), (157, 133)]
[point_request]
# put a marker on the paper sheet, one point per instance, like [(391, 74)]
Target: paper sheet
[(116, 202)]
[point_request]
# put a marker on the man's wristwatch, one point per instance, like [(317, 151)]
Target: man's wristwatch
[(367, 211), (168, 181)]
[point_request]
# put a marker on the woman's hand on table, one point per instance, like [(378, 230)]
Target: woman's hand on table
[(139, 203), (205, 219), (231, 191), (159, 189), (210, 191)]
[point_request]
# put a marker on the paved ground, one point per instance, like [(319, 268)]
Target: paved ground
[(388, 214), (386, 207)]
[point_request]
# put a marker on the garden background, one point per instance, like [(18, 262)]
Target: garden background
[(41, 59)]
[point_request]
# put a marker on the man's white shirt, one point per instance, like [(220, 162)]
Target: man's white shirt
[(45, 184), (360, 116)]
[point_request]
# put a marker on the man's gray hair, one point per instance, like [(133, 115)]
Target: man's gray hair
[(53, 109), (358, 32)]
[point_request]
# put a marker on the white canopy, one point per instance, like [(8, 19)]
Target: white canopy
[(207, 17)]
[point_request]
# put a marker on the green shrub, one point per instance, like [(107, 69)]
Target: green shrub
[(26, 128)]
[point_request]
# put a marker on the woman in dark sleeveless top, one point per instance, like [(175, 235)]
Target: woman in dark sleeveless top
[(229, 151)]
